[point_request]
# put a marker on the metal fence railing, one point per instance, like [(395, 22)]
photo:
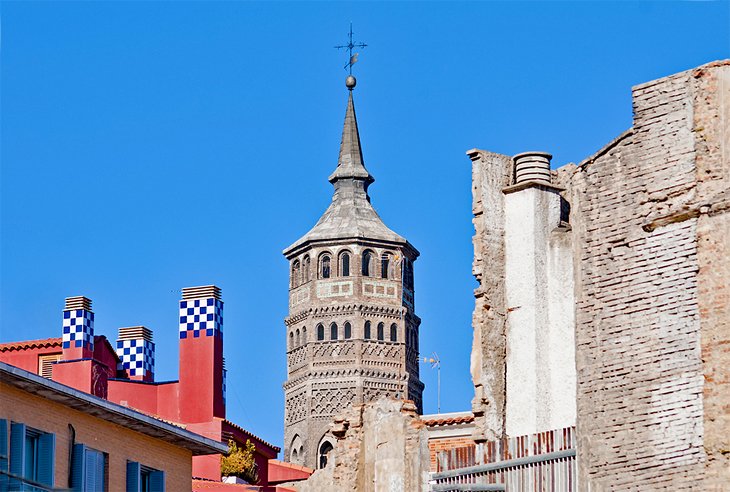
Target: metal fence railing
[(542, 462)]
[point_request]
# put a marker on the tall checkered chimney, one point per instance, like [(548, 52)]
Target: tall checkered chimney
[(201, 354), (78, 328), (136, 350)]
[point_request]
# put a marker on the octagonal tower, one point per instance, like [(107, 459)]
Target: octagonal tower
[(352, 331)]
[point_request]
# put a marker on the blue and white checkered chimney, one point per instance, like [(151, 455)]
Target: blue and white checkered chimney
[(136, 350), (78, 329)]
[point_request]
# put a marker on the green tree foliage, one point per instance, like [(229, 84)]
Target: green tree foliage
[(240, 462)]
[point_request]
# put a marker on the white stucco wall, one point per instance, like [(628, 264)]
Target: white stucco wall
[(540, 317)]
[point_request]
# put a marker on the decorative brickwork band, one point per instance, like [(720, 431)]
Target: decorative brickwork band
[(78, 323), (136, 350), (201, 311)]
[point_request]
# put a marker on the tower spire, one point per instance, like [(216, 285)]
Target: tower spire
[(350, 164)]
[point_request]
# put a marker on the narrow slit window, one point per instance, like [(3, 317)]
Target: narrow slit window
[(384, 265)]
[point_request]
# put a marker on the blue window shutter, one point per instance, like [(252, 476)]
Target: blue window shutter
[(157, 481), (17, 453), (3, 445), (100, 471), (3, 454), (133, 479), (46, 458), (77, 468)]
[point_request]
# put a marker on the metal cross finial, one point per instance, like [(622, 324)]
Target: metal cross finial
[(351, 61)]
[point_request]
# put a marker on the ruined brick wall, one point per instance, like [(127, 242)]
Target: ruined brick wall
[(382, 446), (647, 297), (712, 143), (490, 173)]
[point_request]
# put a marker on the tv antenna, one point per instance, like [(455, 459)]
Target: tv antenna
[(436, 364)]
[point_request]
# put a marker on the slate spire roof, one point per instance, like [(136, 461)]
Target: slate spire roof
[(350, 215)]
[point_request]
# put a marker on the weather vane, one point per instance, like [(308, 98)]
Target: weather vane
[(349, 46)]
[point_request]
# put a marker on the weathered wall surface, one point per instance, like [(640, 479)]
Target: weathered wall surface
[(490, 173), (381, 447), (540, 307), (712, 143), (638, 208)]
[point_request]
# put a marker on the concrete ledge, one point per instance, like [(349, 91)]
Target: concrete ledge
[(531, 184)]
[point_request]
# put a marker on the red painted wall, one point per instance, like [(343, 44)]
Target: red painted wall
[(27, 358), (201, 378)]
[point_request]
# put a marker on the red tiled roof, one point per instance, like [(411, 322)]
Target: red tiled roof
[(281, 472), (211, 486), (30, 344), (459, 419), (247, 433)]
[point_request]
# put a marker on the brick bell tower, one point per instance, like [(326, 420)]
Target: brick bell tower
[(352, 331)]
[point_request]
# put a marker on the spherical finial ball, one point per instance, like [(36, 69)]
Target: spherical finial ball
[(350, 82)]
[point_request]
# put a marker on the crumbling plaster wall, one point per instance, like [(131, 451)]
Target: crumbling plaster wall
[(490, 174)]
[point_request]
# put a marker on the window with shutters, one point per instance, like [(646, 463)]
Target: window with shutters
[(89, 469), (141, 478), (32, 457), (45, 364)]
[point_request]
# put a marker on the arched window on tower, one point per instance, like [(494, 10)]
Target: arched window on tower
[(324, 449), (304, 334), (295, 273), (366, 333), (324, 266), (333, 331), (385, 265), (298, 339), (348, 330), (345, 264), (393, 332), (320, 332), (367, 263), (305, 269), (381, 331), (291, 340)]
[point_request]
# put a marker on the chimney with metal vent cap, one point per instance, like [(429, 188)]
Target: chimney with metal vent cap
[(202, 373), (136, 350), (78, 328), (532, 166)]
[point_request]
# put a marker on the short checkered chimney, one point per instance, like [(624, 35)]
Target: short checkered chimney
[(201, 312), (202, 375), (78, 328), (136, 350)]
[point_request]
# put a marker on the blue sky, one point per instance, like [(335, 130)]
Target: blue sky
[(148, 147)]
